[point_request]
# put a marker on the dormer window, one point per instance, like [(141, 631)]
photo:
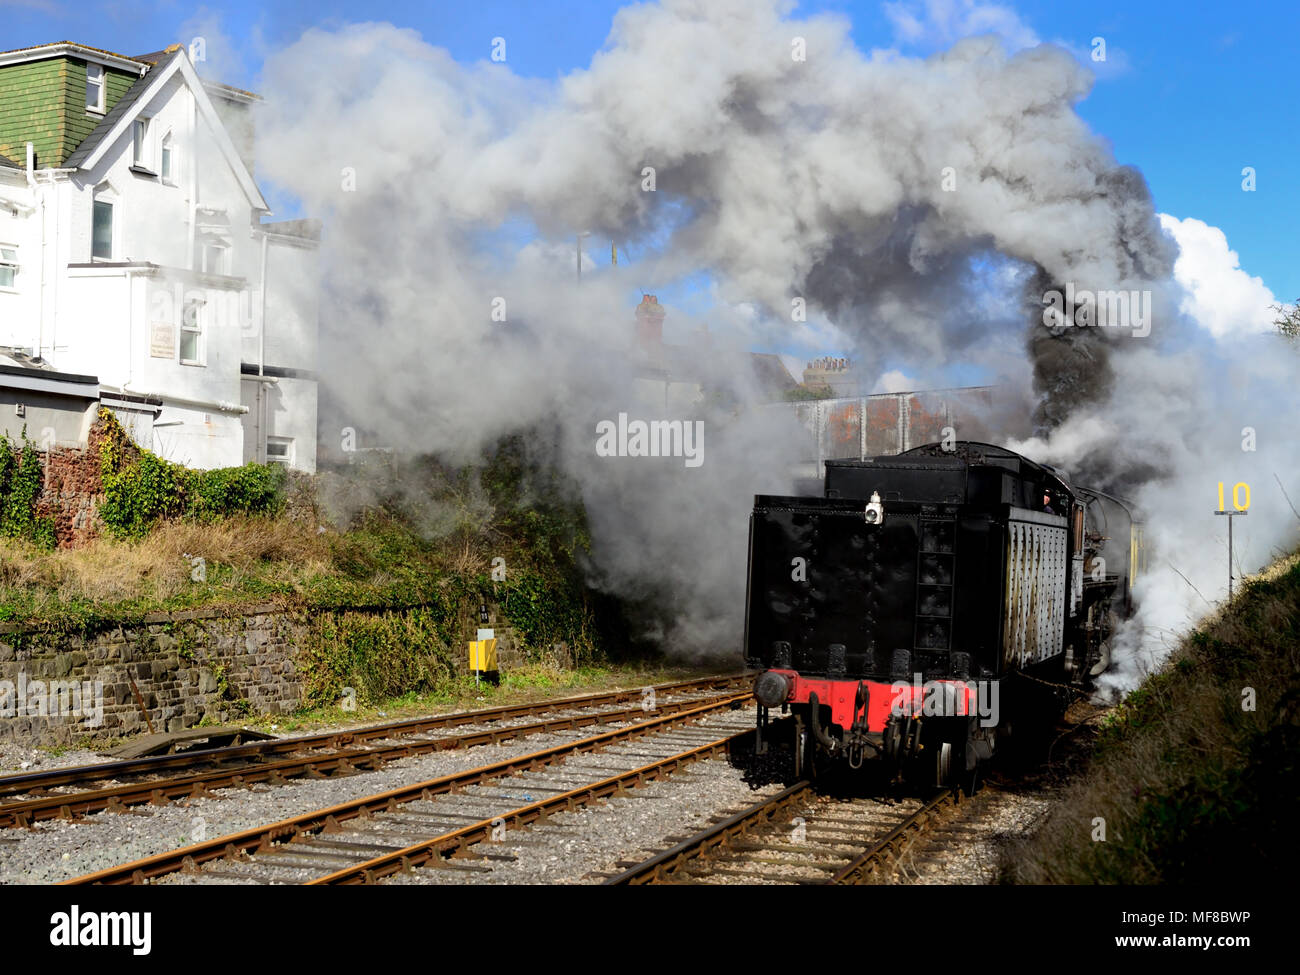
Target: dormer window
[(95, 88)]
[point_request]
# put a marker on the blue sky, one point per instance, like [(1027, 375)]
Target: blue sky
[(1206, 88), (1191, 93)]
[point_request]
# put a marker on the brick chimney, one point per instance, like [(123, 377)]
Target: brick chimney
[(650, 323)]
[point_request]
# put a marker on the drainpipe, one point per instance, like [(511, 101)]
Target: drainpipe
[(40, 288), (261, 332), (261, 364), (54, 189), (130, 328), (221, 406)]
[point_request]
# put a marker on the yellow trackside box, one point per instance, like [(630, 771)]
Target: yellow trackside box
[(483, 655)]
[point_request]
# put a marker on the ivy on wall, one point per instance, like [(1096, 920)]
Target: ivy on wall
[(21, 480), (141, 489), (547, 611), (378, 654), (385, 652)]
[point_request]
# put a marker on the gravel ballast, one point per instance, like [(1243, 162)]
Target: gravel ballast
[(56, 850)]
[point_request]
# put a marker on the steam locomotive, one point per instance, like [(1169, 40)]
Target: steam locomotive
[(900, 617)]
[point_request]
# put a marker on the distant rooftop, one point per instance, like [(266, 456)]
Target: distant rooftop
[(70, 47)]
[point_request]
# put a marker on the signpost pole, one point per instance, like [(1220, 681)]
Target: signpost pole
[(1230, 515)]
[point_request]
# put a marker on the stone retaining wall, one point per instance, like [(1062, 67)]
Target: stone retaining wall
[(186, 666)]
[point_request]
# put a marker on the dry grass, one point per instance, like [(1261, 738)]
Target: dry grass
[(1191, 786), (463, 557), (247, 559), (156, 568)]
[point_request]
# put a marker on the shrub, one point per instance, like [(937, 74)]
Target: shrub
[(378, 655), (21, 478), (547, 611), (141, 489)]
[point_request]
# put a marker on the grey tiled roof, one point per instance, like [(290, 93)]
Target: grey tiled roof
[(771, 373), (105, 126)]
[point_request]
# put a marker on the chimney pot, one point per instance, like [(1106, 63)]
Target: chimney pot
[(650, 324)]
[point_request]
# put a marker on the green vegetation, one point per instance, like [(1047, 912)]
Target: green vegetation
[(388, 562), (1287, 322), (20, 488), (801, 393), (399, 650), (523, 683), (141, 489), (1197, 774)]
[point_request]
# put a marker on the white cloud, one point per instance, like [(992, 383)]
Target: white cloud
[(946, 21), (1221, 297)]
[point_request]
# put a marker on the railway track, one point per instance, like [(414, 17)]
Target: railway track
[(795, 837), (431, 822), (32, 797)]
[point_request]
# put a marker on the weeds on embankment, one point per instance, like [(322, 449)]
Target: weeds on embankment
[(1196, 775)]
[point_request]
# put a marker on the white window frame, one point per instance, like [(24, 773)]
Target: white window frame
[(109, 197), (6, 262), (222, 263), (100, 78), (141, 150), (286, 443), (194, 326), (167, 153)]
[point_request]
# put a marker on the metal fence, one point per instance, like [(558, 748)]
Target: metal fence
[(888, 423)]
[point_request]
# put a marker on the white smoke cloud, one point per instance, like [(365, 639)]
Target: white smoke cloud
[(218, 56), (1210, 402), (906, 201)]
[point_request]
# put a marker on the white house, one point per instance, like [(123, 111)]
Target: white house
[(134, 249)]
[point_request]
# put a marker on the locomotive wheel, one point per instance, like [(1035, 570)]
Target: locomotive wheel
[(943, 763), (799, 747), (1102, 664), (954, 761), (805, 751)]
